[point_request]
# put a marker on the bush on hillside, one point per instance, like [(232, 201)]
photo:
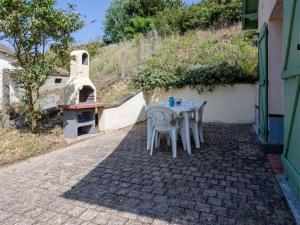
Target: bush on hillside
[(138, 25), (125, 19), (146, 8), (199, 16), (195, 75), (201, 59)]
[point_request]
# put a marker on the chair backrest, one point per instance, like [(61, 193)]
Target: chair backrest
[(199, 112), (162, 117)]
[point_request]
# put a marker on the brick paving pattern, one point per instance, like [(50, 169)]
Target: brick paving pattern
[(112, 179)]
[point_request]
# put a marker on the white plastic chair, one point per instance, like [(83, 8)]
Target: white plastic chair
[(197, 126), (163, 121)]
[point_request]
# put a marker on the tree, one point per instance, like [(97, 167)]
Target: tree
[(138, 25), (34, 28), (116, 20), (124, 17), (146, 8)]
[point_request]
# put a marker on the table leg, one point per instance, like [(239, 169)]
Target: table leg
[(149, 133), (187, 131)]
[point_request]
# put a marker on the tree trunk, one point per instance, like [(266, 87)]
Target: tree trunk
[(32, 111)]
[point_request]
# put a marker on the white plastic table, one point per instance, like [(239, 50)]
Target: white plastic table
[(184, 109)]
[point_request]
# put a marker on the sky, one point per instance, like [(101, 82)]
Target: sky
[(92, 12)]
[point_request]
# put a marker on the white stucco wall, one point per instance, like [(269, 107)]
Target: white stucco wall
[(5, 63), (130, 112), (226, 104), (265, 9), (275, 65)]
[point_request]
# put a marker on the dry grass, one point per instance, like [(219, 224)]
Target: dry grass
[(16, 145), (108, 59), (115, 92)]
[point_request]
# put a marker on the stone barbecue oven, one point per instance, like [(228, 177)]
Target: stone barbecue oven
[(79, 88), (79, 100)]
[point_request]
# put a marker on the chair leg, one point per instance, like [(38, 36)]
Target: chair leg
[(157, 140), (201, 133), (174, 144), (149, 133), (152, 142), (196, 135), (183, 138), (168, 139)]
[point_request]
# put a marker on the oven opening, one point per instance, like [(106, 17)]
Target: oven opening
[(86, 95)]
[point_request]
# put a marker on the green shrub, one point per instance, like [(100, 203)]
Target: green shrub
[(128, 18), (138, 25), (201, 59), (168, 21), (156, 76), (205, 77), (210, 76), (206, 15)]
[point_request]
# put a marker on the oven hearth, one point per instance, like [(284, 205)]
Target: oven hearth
[(79, 100)]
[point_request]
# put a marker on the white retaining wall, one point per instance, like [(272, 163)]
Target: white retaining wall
[(225, 104), (130, 112)]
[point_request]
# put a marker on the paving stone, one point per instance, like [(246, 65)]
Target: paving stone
[(133, 222), (102, 218), (206, 217), (202, 207), (76, 211), (74, 221), (58, 219), (89, 215), (160, 222), (111, 179), (145, 220), (4, 215), (209, 193), (13, 220), (215, 201), (114, 220)]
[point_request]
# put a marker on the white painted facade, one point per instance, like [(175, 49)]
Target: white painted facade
[(265, 10), (6, 61), (50, 91)]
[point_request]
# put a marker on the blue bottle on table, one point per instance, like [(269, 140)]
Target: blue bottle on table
[(171, 101)]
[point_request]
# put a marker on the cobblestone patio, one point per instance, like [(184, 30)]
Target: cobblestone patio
[(112, 179)]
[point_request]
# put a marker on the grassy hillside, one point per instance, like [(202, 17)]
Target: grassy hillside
[(228, 54)]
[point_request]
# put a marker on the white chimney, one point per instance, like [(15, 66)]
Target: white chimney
[(79, 88)]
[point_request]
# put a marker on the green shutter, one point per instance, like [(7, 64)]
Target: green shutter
[(263, 83), (250, 15), (291, 77)]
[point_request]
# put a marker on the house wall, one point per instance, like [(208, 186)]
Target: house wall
[(5, 63), (275, 63), (270, 12), (265, 9), (50, 92)]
